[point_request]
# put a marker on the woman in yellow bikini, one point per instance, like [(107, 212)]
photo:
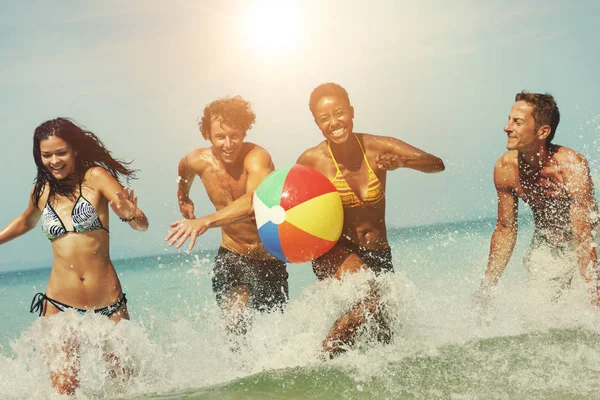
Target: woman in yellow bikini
[(357, 165)]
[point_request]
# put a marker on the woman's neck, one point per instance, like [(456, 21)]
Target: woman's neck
[(348, 153), (67, 186)]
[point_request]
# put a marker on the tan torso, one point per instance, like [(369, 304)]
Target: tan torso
[(223, 186), (82, 273), (551, 214), (364, 225)]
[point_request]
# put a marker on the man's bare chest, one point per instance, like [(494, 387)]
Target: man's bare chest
[(223, 188), (542, 193)]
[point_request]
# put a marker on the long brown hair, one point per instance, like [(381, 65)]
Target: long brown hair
[(90, 153)]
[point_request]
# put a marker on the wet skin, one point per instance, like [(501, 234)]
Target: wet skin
[(365, 224), (230, 170), (82, 273), (555, 182)]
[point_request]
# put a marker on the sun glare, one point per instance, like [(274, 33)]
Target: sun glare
[(271, 26)]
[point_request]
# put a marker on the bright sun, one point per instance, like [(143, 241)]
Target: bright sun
[(271, 26)]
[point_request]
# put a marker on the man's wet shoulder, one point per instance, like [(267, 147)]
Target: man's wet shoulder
[(566, 155), (250, 147), (509, 159), (197, 157), (255, 153), (506, 171)]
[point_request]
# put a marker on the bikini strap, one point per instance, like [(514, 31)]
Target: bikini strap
[(364, 153), (80, 183), (361, 149), (61, 306), (333, 158), (108, 311), (37, 304)]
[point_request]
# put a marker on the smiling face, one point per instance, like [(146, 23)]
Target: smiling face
[(521, 130), (227, 142), (334, 117), (58, 157)]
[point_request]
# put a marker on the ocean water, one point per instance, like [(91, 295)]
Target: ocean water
[(174, 347)]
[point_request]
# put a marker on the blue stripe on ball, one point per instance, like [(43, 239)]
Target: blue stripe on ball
[(269, 235)]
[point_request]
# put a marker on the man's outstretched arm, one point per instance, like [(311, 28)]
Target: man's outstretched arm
[(258, 165), (503, 239), (505, 233), (584, 212), (184, 183)]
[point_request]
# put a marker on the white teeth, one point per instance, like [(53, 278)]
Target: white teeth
[(338, 132)]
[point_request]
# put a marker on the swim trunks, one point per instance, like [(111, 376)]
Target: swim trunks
[(377, 260), (553, 270), (267, 280)]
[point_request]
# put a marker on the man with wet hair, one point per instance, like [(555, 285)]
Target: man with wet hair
[(555, 182), (245, 274)]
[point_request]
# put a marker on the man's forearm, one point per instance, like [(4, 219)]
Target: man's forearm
[(186, 205), (584, 247), (501, 248), (590, 271), (588, 263), (235, 212)]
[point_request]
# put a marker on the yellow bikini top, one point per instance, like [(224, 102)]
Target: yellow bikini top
[(375, 190)]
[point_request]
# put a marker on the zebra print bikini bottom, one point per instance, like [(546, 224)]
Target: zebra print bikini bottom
[(37, 305)]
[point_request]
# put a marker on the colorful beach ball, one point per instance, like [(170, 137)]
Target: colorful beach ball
[(299, 213)]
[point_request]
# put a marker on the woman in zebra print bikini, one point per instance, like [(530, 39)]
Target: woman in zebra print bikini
[(77, 179)]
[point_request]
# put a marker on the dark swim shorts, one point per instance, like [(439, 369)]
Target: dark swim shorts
[(377, 260), (267, 280)]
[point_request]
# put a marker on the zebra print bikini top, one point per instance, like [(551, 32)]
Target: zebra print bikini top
[(84, 217)]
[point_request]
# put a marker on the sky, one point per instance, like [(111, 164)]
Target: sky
[(440, 75)]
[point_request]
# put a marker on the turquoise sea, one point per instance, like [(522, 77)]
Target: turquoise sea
[(174, 347)]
